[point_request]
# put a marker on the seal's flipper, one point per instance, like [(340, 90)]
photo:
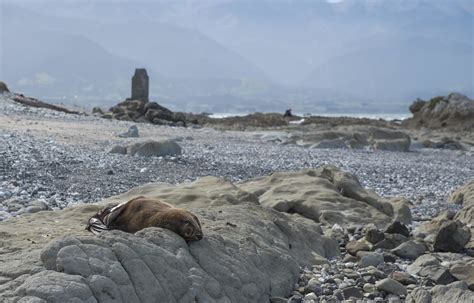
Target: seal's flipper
[(96, 226), (102, 220)]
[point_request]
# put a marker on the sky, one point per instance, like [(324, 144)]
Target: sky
[(317, 55)]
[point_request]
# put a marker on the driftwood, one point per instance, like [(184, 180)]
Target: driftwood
[(37, 103)]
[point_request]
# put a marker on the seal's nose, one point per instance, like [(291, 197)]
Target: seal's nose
[(198, 237)]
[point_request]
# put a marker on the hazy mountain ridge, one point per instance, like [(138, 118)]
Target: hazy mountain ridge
[(201, 53)]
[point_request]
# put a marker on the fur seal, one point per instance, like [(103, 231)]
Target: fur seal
[(142, 212)]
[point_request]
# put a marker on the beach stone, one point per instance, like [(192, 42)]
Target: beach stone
[(352, 291), (464, 272), (401, 208), (367, 259), (438, 274), (409, 250), (314, 286), (131, 133), (374, 235), (295, 299), (452, 236), (389, 257), (352, 247), (118, 149), (154, 149), (391, 241), (428, 229), (419, 295), (403, 277), (422, 261), (369, 288), (391, 286), (311, 297), (397, 227)]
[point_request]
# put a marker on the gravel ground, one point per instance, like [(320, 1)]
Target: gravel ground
[(63, 160)]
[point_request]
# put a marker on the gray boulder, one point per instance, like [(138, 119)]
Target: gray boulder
[(391, 286), (451, 293), (464, 272), (132, 132), (390, 241), (452, 236), (419, 295), (422, 261), (409, 250), (463, 195), (367, 259), (353, 247), (154, 148), (118, 149), (397, 227), (374, 235)]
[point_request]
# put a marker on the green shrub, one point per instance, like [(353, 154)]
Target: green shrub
[(435, 101)]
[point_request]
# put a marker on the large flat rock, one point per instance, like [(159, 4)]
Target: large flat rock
[(252, 248), (326, 195)]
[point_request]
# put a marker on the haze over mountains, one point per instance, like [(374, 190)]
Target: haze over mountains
[(239, 55)]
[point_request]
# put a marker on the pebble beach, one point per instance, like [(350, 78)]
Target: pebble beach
[(49, 156)]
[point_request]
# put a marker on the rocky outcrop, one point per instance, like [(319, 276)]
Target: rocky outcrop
[(27, 101), (249, 253), (143, 111), (149, 149), (445, 233), (326, 195), (443, 143), (454, 112), (465, 197), (343, 136), (454, 292), (3, 88)]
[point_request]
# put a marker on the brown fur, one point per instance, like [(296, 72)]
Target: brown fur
[(142, 212)]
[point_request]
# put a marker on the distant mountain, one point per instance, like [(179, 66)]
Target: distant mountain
[(399, 70), (347, 55), (56, 64), (54, 57)]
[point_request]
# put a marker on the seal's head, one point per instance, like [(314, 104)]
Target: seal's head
[(181, 222)]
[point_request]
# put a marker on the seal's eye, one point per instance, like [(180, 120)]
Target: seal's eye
[(188, 232)]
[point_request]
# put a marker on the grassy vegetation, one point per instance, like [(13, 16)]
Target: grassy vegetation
[(435, 101)]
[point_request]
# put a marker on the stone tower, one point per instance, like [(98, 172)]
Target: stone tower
[(140, 85)]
